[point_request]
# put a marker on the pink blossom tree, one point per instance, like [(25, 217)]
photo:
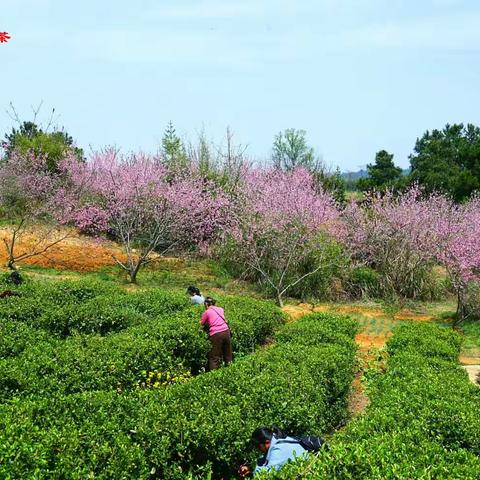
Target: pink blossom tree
[(279, 221), (392, 233), (457, 247), (134, 198), (403, 236), (32, 195)]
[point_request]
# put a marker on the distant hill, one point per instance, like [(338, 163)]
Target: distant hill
[(353, 176)]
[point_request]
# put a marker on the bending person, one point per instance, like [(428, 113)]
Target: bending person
[(195, 296), (213, 320), (277, 449)]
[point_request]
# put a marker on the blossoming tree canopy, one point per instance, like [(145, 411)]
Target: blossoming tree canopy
[(279, 218), (135, 199), (31, 192)]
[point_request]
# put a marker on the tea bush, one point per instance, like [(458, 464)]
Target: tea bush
[(422, 422), (168, 343), (15, 337), (87, 306), (200, 428)]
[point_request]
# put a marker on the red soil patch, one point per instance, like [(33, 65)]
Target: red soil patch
[(367, 341), (358, 400), (74, 253)]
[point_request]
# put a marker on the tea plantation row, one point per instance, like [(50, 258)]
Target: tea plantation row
[(196, 429), (423, 421), (159, 334)]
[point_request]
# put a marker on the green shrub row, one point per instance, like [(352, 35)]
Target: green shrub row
[(423, 421), (170, 343), (196, 429), (87, 306)]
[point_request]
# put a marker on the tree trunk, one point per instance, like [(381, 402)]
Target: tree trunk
[(279, 300), (133, 275), (460, 315)]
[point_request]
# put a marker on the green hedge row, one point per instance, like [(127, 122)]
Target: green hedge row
[(86, 306), (423, 421), (196, 429), (171, 344)]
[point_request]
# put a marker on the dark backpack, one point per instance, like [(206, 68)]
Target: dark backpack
[(310, 443)]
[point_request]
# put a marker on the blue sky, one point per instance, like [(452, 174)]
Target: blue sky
[(357, 75)]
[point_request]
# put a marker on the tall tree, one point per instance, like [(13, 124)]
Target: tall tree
[(173, 151), (381, 174), (448, 160), (290, 151)]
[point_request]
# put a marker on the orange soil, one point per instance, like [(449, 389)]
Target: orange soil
[(366, 341), (358, 399), (469, 360), (77, 253)]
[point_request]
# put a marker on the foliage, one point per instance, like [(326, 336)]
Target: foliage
[(472, 301), (199, 428), (174, 155), (448, 160), (363, 282), (291, 151), (279, 223), (333, 183), (162, 336), (327, 282), (382, 174), (29, 138), (29, 193), (392, 234), (422, 422), (145, 210)]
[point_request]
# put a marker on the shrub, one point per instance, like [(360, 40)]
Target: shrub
[(15, 337), (98, 315), (169, 343), (41, 304), (195, 428), (87, 306), (422, 422), (363, 282)]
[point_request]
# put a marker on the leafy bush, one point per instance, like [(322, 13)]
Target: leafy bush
[(422, 422), (87, 306), (15, 337), (326, 283), (38, 299), (363, 282), (194, 428), (98, 315), (168, 343)]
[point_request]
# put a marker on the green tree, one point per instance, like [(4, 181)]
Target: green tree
[(31, 137), (381, 174), (173, 152), (333, 183), (290, 150), (448, 161)]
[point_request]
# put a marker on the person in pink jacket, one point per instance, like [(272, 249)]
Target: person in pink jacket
[(213, 320)]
